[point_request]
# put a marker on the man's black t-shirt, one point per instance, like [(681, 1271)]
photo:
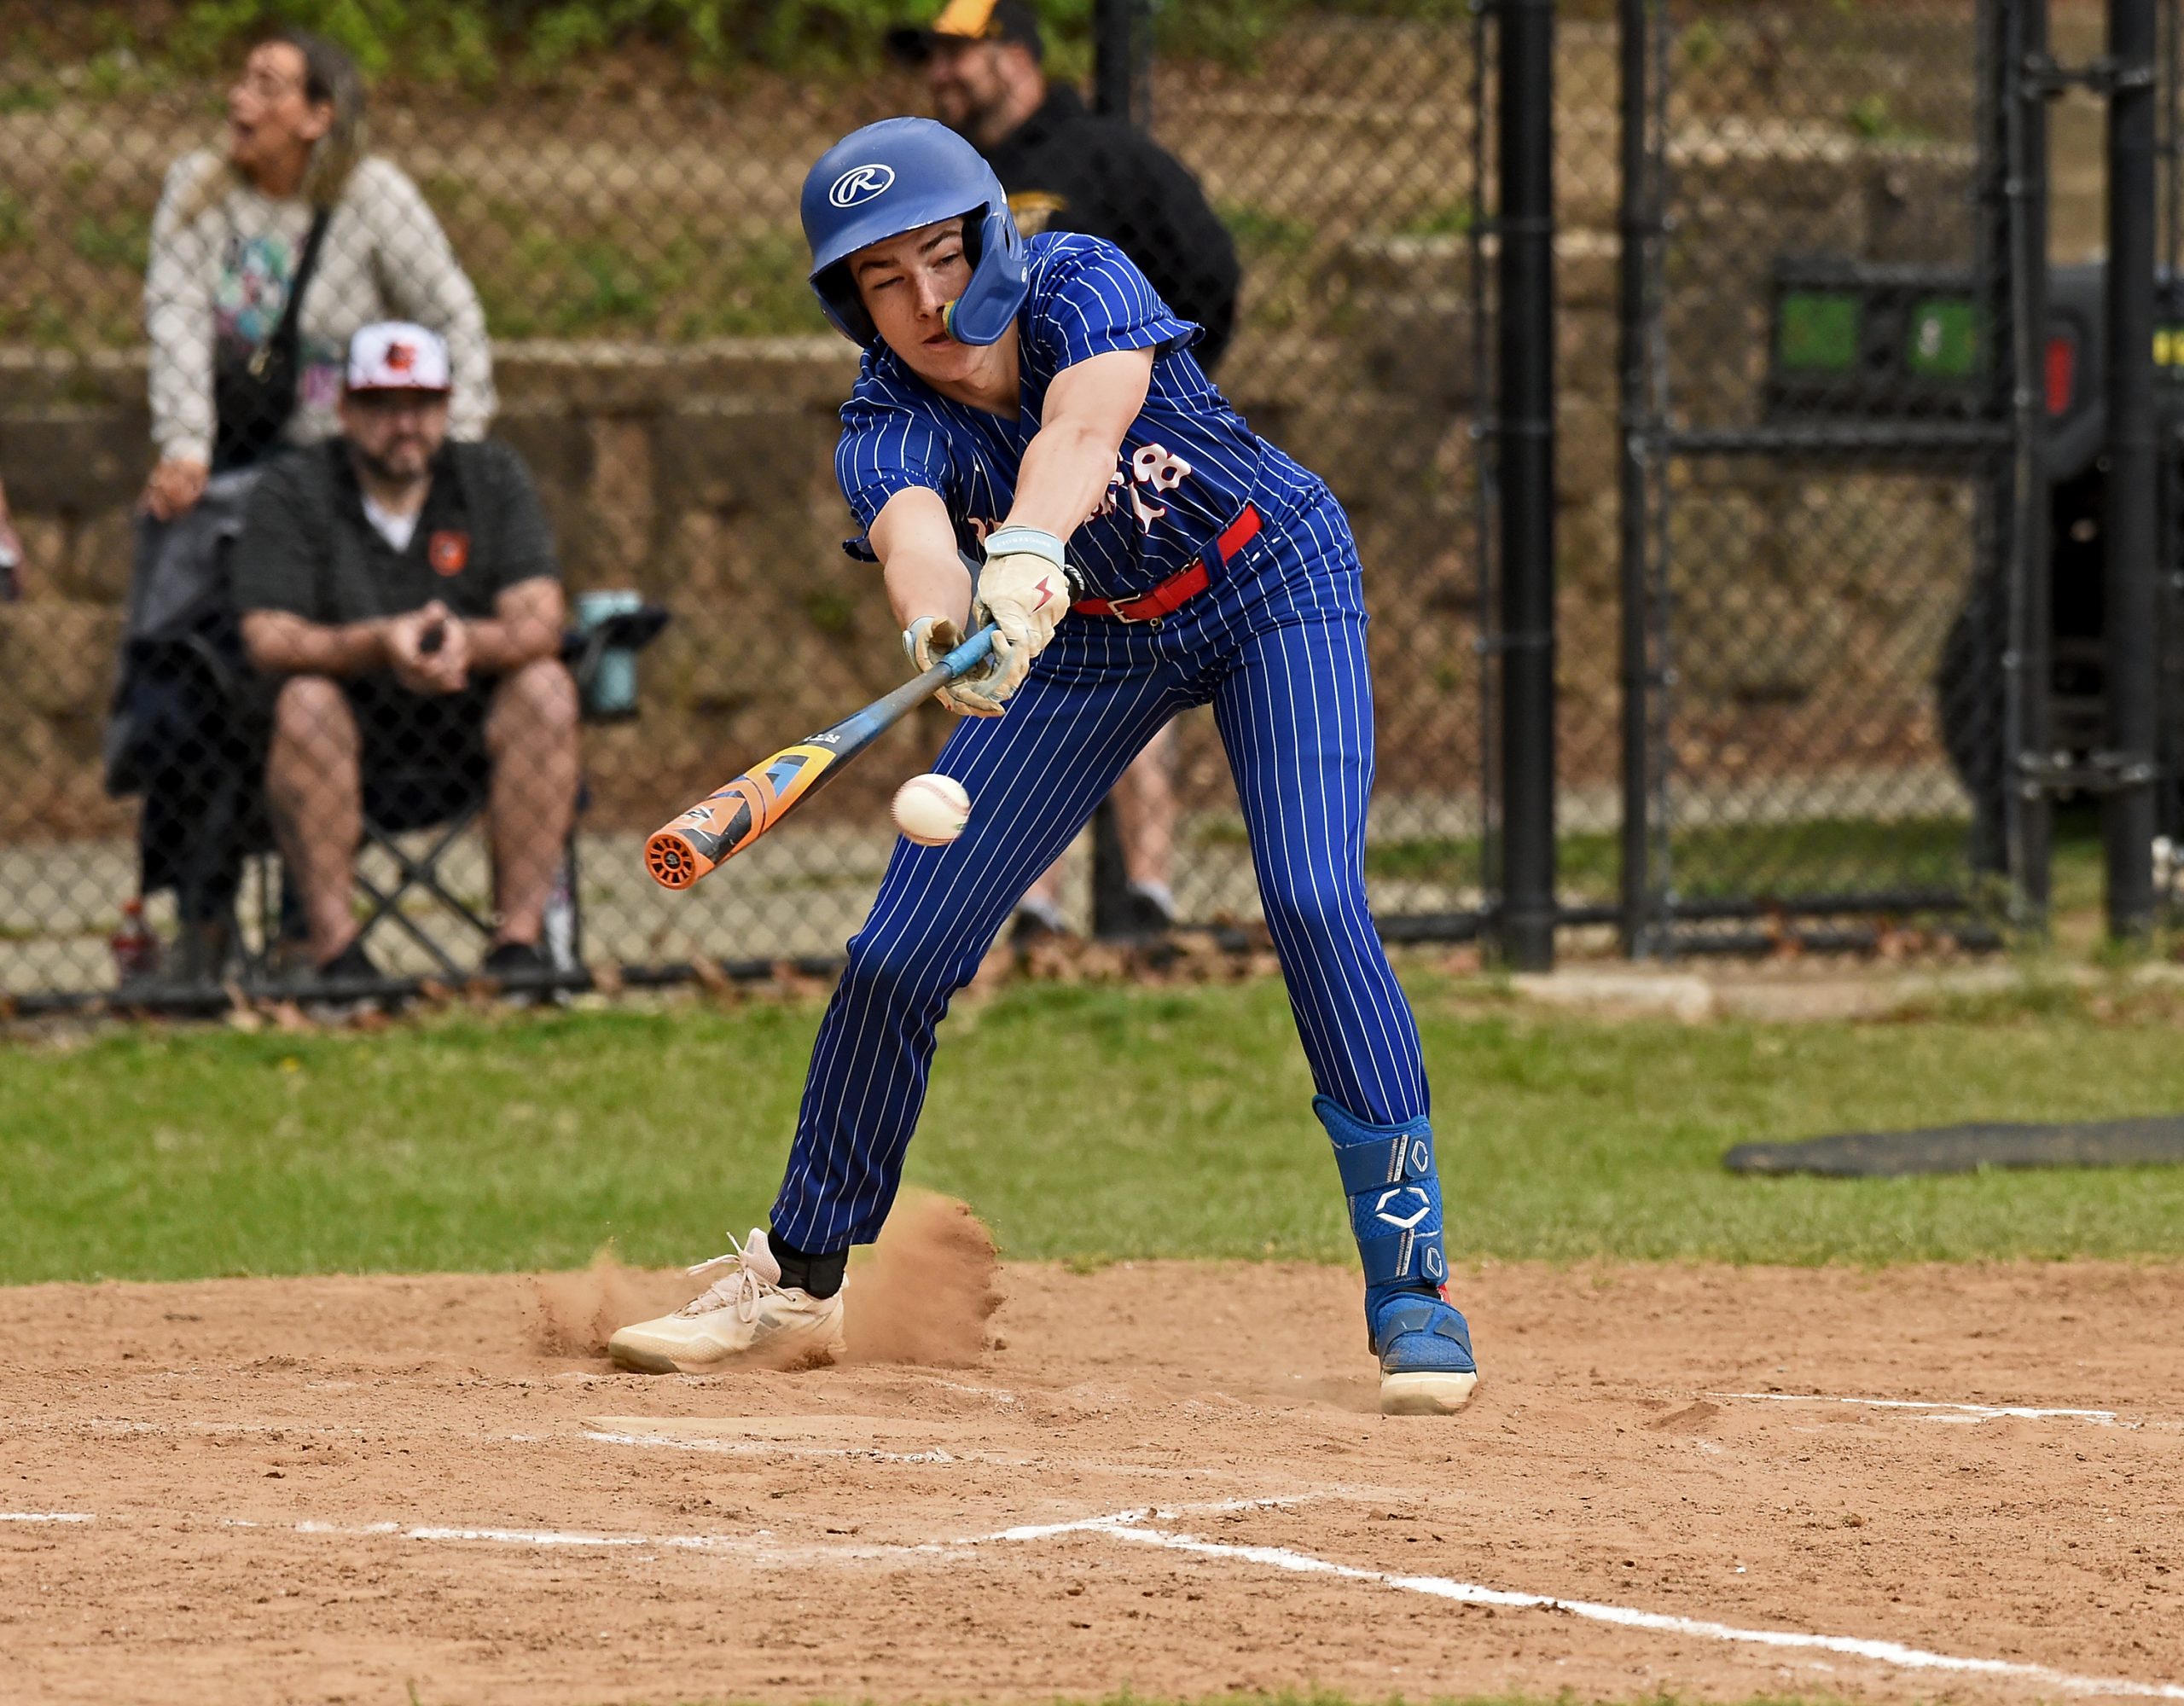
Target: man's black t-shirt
[(1069, 169), (308, 547)]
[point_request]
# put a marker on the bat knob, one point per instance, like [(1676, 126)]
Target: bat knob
[(667, 859)]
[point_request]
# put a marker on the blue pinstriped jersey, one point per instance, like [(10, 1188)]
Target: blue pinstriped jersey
[(1188, 464)]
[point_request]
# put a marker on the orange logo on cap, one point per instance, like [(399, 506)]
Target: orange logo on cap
[(400, 357), (448, 552)]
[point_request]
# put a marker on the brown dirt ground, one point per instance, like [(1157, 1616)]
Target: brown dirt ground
[(264, 1462)]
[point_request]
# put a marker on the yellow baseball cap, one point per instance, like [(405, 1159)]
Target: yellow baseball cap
[(970, 20)]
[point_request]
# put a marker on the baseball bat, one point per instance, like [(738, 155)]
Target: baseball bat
[(729, 819)]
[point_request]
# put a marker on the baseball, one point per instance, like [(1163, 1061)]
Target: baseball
[(932, 810)]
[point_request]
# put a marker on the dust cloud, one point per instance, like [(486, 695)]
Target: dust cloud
[(924, 1292), (577, 1313)]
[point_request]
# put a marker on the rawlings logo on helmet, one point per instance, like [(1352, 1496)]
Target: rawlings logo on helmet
[(859, 184)]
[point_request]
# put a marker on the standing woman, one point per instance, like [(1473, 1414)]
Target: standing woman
[(228, 242), (1144, 551)]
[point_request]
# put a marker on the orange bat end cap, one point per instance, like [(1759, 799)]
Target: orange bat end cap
[(672, 861)]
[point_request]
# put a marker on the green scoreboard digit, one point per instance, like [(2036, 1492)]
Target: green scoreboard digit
[(1876, 342), (1816, 332), (1944, 339)]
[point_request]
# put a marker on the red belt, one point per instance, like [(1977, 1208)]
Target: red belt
[(1182, 587)]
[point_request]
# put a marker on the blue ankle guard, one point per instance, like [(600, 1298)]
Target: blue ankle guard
[(1395, 1198)]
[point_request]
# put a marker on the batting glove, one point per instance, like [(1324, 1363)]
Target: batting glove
[(1024, 591), (930, 638)]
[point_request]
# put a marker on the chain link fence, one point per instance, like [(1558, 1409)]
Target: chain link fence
[(607, 241), (1348, 156), (613, 260), (1794, 546), (1821, 580)]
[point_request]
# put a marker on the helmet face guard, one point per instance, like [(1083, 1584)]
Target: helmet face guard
[(898, 175)]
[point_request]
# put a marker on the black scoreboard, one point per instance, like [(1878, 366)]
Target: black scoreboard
[(1857, 343)]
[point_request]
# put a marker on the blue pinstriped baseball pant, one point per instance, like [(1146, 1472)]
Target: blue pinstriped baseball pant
[(1278, 648)]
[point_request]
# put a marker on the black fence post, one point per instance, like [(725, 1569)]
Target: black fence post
[(1525, 231), (1636, 224), (2019, 134), (2128, 818), (1122, 61), (1122, 77)]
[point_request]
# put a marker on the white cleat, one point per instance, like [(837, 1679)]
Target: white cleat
[(1427, 1367), (744, 1316), (1435, 1393)]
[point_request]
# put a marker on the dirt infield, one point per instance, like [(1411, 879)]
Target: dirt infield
[(1167, 1478)]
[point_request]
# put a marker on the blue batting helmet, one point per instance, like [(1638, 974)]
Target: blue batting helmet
[(894, 177)]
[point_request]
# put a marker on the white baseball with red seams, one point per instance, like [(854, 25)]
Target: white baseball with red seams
[(931, 809)]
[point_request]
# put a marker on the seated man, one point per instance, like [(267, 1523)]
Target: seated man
[(406, 589)]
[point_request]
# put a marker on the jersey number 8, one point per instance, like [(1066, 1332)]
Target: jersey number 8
[(1161, 469)]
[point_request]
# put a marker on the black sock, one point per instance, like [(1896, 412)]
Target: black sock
[(819, 1275)]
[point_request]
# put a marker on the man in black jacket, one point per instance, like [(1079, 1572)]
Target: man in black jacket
[(403, 589), (1068, 169)]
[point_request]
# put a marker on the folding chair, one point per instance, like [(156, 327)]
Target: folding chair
[(406, 801)]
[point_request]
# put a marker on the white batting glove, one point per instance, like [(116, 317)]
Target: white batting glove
[(930, 638), (1024, 591)]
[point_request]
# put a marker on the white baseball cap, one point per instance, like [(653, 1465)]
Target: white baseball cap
[(395, 355)]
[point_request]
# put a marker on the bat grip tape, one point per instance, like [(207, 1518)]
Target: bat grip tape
[(970, 654)]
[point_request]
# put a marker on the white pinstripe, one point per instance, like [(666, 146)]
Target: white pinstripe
[(1278, 649), (1276, 646), (1086, 297)]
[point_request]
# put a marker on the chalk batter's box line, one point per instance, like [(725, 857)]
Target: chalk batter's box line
[(937, 1456), (760, 1539), (1892, 1653), (1129, 1527), (1941, 1410)]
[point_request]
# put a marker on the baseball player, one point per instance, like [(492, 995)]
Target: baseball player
[(1037, 406)]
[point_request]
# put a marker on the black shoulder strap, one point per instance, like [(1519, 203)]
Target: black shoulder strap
[(285, 333), (464, 462)]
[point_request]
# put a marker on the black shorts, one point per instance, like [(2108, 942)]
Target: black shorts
[(424, 758)]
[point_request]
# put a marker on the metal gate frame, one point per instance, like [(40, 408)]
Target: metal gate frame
[(1999, 451)]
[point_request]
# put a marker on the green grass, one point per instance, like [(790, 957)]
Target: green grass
[(1261, 231), (621, 277), (1730, 859), (1736, 860), (1448, 219), (119, 240), (1085, 1123)]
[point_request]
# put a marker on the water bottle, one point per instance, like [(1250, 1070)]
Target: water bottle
[(135, 949), (612, 692)]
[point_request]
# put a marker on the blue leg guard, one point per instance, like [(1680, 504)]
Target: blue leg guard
[(1395, 1214)]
